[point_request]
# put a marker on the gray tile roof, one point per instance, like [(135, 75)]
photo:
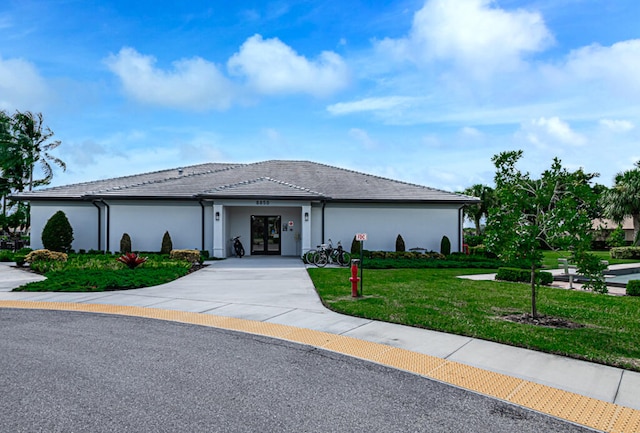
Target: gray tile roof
[(276, 179)]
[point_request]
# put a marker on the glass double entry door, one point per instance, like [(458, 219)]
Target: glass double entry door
[(265, 234)]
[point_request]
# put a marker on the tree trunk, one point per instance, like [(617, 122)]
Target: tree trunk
[(636, 229), (477, 223), (534, 311)]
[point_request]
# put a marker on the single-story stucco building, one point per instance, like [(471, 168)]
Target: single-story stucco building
[(277, 207)]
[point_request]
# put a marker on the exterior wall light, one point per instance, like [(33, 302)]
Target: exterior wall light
[(306, 216), (217, 216)]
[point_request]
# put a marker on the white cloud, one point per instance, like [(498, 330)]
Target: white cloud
[(21, 86), (363, 138), (474, 34), (617, 125), (371, 104), (272, 67), (603, 68), (192, 84), (549, 132)]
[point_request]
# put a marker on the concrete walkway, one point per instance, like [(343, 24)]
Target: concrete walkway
[(278, 290)]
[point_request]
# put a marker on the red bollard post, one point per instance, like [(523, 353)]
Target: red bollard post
[(354, 278)]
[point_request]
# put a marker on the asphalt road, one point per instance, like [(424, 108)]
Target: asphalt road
[(83, 372)]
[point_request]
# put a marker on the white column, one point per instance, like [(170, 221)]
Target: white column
[(219, 241), (306, 228)]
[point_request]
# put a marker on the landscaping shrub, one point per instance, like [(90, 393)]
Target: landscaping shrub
[(131, 260), (19, 259), (473, 240), (400, 247), (616, 238), (57, 234), (125, 243), (625, 253), (45, 256), (167, 245), (6, 256), (523, 275), (355, 247), (191, 256), (633, 288), (445, 246)]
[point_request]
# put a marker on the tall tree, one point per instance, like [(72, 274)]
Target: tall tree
[(623, 199), (475, 212), (553, 211), (33, 140)]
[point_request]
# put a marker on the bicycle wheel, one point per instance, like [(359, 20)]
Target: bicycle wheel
[(320, 259), (344, 259), (307, 257)]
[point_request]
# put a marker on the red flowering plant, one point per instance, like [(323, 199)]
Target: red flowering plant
[(132, 260)]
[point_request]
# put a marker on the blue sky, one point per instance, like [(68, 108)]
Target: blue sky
[(421, 91)]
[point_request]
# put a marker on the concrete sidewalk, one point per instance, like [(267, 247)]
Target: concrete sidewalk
[(278, 290)]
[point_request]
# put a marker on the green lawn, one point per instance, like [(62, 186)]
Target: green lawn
[(551, 258), (436, 299), (100, 272)]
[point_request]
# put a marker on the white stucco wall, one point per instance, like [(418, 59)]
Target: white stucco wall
[(419, 225), (82, 216), (147, 221)]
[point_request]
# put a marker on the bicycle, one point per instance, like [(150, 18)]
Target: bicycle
[(328, 254)]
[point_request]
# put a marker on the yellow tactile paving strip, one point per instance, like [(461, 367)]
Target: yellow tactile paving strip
[(590, 412)]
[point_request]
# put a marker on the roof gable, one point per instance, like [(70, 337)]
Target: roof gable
[(280, 179)]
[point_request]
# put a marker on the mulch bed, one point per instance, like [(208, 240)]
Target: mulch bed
[(540, 320)]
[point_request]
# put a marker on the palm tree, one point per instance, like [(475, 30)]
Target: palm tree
[(623, 199), (32, 139), (476, 212)]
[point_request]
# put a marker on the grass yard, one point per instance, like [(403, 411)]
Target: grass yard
[(98, 273), (550, 259), (436, 299)]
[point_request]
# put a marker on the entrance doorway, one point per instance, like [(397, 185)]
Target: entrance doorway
[(265, 234)]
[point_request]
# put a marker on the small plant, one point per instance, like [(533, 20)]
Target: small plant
[(593, 268), (45, 256), (400, 247), (633, 288), (167, 245), (191, 256), (616, 238), (625, 253), (445, 246), (131, 260), (125, 243), (355, 247), (57, 234)]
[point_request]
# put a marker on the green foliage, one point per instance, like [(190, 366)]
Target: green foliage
[(125, 243), (92, 280), (633, 288), (355, 247), (167, 245), (523, 276), (625, 253), (473, 240), (57, 234), (445, 246), (623, 199), (400, 244), (592, 268), (554, 212), (475, 212), (616, 238)]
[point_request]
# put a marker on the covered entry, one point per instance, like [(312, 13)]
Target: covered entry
[(266, 234)]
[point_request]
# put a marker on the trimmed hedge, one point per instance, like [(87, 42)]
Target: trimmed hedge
[(523, 276), (633, 288), (45, 256), (191, 256), (625, 253)]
